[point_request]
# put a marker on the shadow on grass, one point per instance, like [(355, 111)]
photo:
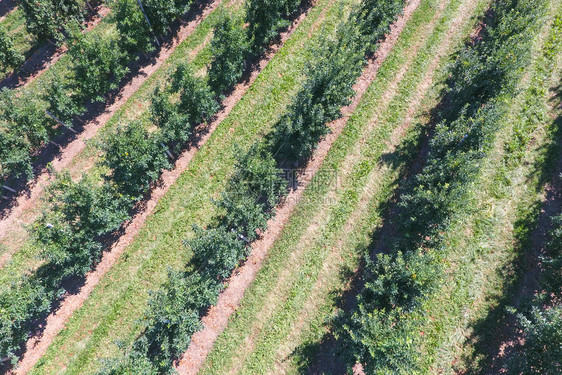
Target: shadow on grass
[(495, 337), (44, 275), (330, 355), (52, 150)]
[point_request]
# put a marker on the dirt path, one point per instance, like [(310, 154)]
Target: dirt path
[(217, 318), (37, 346), (47, 56), (322, 217), (12, 223), (331, 264)]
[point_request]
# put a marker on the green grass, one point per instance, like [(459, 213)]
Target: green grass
[(301, 256), (25, 43), (488, 246), (110, 312), (26, 256), (14, 25)]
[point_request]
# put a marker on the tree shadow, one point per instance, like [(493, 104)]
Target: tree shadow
[(52, 150), (41, 53), (495, 335), (6, 6), (73, 285)]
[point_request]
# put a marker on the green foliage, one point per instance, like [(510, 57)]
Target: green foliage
[(333, 69), (542, 349), (197, 101), (374, 18), (217, 252), (15, 158), (23, 129), (63, 104), (161, 13), (25, 116), (252, 191), (9, 56), (69, 234), (485, 69), (134, 33), (47, 18), (173, 124), (483, 74), (383, 341), (19, 304), (98, 65), (135, 158), (78, 215), (229, 49), (266, 18)]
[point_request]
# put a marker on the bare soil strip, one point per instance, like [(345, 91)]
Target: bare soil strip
[(45, 57), (322, 217), (217, 318), (368, 192), (12, 223), (37, 346)]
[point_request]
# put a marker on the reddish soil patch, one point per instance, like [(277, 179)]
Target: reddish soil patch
[(37, 346), (29, 199), (216, 319)]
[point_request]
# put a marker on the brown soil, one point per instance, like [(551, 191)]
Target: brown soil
[(335, 257), (12, 223), (38, 345), (215, 321)]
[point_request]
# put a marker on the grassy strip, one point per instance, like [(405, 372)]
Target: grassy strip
[(188, 199), (498, 252), (14, 26), (383, 330), (27, 258), (78, 214), (288, 302), (485, 242)]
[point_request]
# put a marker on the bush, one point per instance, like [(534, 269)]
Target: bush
[(229, 49), (173, 314), (78, 215), (47, 18), (63, 104), (333, 69), (252, 191), (265, 18), (542, 350), (217, 252), (134, 33), (25, 117), (197, 102), (9, 56), (135, 158), (98, 65), (15, 158), (19, 304), (374, 18), (175, 126)]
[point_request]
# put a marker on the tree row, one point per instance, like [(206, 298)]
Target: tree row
[(383, 331)]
